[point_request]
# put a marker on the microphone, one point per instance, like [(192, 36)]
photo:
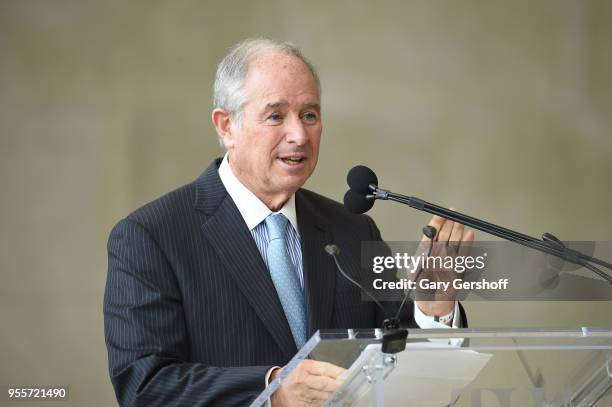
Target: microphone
[(364, 190), (394, 338), (362, 181), (429, 231), (356, 202), (359, 179), (334, 251)]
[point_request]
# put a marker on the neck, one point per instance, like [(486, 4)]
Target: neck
[(274, 203)]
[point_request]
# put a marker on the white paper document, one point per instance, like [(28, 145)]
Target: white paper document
[(427, 374)]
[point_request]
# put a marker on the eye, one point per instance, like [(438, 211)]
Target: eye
[(310, 117), (275, 117)]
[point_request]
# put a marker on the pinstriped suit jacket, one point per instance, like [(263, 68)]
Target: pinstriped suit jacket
[(191, 314)]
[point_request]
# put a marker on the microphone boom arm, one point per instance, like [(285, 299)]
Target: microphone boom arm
[(550, 246)]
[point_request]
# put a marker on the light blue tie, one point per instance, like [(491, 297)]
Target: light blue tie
[(285, 277)]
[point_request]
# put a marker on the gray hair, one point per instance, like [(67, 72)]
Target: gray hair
[(229, 93)]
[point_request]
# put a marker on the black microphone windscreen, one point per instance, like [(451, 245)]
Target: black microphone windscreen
[(360, 177), (357, 203)]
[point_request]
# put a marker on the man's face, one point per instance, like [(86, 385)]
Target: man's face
[(276, 147)]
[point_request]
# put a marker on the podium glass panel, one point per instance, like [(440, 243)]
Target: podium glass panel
[(466, 367)]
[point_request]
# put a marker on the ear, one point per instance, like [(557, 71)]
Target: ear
[(223, 124)]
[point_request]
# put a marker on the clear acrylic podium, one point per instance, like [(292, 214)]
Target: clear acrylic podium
[(466, 367)]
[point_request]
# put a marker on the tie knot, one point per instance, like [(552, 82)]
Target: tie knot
[(276, 224)]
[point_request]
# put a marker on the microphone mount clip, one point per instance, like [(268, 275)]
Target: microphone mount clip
[(378, 193)]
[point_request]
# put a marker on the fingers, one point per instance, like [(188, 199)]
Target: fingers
[(436, 222), (468, 236), (321, 376), (311, 384), (449, 231), (466, 243), (445, 234), (456, 234), (322, 384), (319, 380), (314, 397), (443, 227), (317, 368)]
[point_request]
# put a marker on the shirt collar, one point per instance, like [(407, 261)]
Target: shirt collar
[(252, 209)]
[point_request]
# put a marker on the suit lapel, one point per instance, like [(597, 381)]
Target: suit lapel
[(228, 234), (319, 268)]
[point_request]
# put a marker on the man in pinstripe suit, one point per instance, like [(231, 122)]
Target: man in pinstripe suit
[(192, 314)]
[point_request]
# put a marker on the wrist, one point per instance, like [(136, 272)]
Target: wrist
[(275, 371), (436, 308)]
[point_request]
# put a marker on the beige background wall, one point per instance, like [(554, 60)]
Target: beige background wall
[(501, 109)]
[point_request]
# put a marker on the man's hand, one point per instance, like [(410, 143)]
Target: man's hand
[(451, 240), (310, 384)]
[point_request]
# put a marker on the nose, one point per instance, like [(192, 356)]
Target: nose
[(295, 132)]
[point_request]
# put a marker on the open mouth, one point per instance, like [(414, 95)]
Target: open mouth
[(292, 160)]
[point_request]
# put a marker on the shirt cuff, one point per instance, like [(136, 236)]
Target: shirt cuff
[(428, 322), (267, 381)]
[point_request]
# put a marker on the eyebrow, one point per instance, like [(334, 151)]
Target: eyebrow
[(276, 105), (283, 104), (313, 105)]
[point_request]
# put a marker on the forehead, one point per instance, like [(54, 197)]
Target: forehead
[(279, 76)]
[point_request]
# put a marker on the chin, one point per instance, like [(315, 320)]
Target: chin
[(294, 177), (292, 183)]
